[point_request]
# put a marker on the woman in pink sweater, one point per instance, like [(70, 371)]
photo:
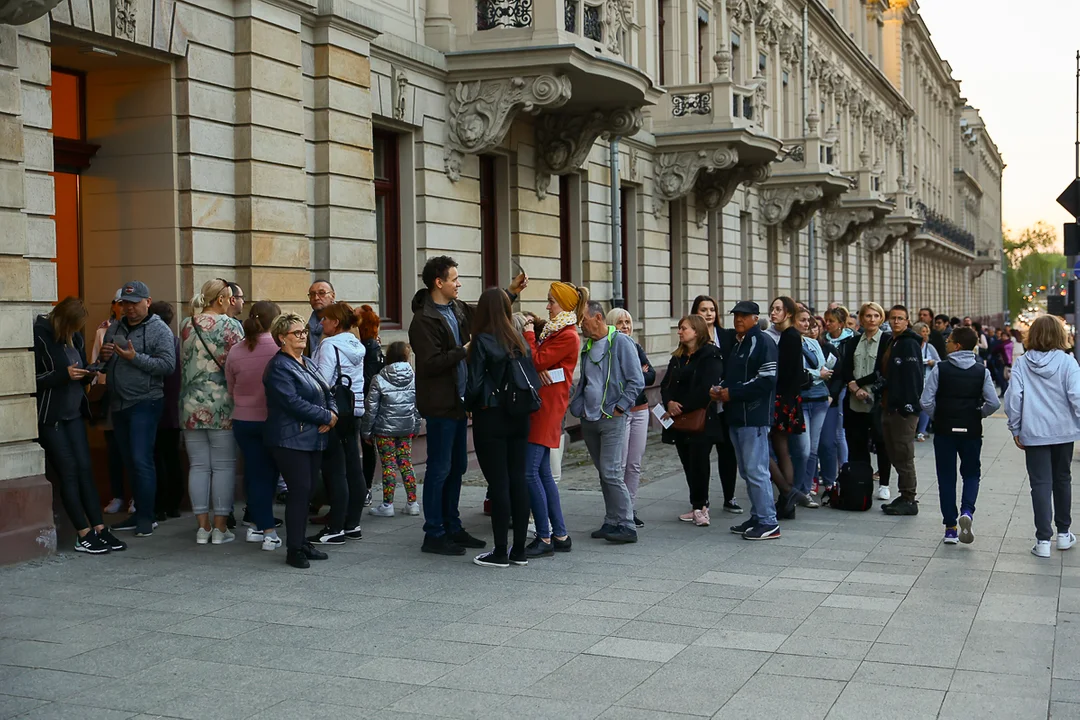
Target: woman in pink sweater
[(244, 375)]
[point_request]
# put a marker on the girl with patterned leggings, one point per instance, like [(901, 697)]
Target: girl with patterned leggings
[(391, 420)]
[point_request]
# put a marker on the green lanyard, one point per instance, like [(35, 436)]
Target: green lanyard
[(607, 381)]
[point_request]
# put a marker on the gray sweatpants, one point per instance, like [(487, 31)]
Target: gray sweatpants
[(1049, 473), (212, 475), (637, 433), (604, 438)]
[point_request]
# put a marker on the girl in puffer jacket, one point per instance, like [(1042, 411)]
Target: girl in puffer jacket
[(392, 420)]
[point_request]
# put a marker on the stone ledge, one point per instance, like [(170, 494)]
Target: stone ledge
[(26, 519)]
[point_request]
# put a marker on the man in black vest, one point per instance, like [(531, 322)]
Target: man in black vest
[(958, 394)]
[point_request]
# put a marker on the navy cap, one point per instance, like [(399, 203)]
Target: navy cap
[(134, 291), (746, 307)]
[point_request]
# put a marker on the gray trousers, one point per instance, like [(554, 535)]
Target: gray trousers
[(212, 472), (605, 438), (1049, 473), (637, 434)]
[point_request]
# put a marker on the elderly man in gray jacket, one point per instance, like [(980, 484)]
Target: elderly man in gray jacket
[(610, 382)]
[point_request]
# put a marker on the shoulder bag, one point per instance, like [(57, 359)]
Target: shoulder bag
[(343, 395)]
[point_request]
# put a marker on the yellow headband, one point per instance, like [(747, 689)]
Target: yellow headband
[(566, 295)]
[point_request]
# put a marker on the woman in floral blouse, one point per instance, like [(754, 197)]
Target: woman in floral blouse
[(206, 409)]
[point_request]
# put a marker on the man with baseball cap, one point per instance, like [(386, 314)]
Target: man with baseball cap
[(138, 353), (747, 392)]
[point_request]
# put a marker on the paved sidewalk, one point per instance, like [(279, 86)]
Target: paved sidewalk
[(847, 616)]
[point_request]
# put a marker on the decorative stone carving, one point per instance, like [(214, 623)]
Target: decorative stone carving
[(812, 122), (777, 202), (20, 12), (676, 173), (691, 104), (791, 46), (564, 141), (722, 58), (880, 237), (842, 226), (739, 12), (480, 112), (632, 170), (124, 19), (400, 92), (618, 18)]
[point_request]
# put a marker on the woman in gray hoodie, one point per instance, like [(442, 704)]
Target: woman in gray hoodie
[(391, 421), (1043, 406)]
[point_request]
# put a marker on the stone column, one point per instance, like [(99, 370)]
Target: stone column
[(26, 519)]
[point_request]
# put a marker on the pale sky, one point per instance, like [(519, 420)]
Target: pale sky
[(1017, 64)]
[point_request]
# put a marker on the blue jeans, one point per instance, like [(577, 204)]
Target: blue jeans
[(924, 422), (946, 447), (135, 429), (752, 452), (814, 413), (447, 461), (260, 472), (828, 452), (543, 492)]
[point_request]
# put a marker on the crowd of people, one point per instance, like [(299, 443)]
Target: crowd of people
[(801, 405)]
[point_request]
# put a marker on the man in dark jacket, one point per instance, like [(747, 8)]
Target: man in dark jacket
[(747, 393), (900, 388), (937, 340), (439, 335)]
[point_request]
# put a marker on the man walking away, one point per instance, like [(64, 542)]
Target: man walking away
[(959, 393), (611, 380), (747, 393), (139, 353), (901, 391)]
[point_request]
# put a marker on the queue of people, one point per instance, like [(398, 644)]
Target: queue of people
[(794, 405)]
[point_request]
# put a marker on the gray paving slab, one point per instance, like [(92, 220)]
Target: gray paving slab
[(854, 615)]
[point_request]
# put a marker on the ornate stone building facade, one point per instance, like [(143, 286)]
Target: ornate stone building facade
[(818, 148)]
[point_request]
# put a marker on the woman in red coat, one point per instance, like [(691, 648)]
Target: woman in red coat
[(555, 350)]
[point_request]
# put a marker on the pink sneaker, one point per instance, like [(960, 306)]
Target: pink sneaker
[(687, 517), (700, 518), (705, 510)]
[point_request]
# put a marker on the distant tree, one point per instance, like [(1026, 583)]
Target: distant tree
[(1034, 267)]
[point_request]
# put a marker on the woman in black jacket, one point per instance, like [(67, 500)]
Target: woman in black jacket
[(637, 417), (500, 437), (695, 367), (788, 435), (367, 326), (60, 361)]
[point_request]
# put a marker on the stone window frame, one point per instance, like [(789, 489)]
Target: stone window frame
[(389, 188)]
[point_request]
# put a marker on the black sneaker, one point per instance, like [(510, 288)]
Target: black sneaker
[(518, 557), (785, 507), (230, 522), (466, 540), (115, 544), (732, 507), (145, 532), (126, 525), (326, 536), (562, 545), (762, 531), (313, 553), (441, 545), (281, 498), (638, 522), (161, 516), (900, 506), (278, 522), (354, 534), (173, 513), (491, 560), (603, 531), (367, 500), (248, 522), (91, 544), (296, 558), (538, 549), (622, 535), (740, 529)]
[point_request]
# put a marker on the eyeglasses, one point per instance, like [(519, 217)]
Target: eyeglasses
[(299, 334), (318, 293)]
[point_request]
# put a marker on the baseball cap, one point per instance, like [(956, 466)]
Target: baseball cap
[(116, 297), (134, 291), (746, 307)]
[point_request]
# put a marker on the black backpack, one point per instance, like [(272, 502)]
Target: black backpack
[(854, 488), (521, 386), (344, 395)]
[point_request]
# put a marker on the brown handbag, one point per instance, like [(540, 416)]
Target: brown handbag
[(692, 422)]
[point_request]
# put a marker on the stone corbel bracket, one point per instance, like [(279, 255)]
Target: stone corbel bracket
[(880, 237), (481, 111), (20, 12), (791, 206), (564, 141), (843, 226), (676, 174)]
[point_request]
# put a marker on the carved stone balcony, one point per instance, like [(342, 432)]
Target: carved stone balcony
[(901, 224), (940, 237), (803, 181), (845, 220), (709, 140), (514, 56)]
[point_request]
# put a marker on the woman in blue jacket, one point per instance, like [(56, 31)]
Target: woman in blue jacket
[(300, 412)]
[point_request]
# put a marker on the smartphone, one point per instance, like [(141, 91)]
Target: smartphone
[(95, 367)]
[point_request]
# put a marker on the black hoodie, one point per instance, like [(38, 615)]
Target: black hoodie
[(51, 366), (901, 383)]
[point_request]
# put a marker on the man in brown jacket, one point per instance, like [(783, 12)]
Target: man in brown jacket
[(439, 335)]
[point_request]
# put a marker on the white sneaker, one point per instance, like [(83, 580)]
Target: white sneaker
[(220, 538), (254, 536), (271, 542), (883, 493), (114, 506), (131, 506), (1066, 540), (202, 536), (382, 510), (413, 508), (1041, 549)]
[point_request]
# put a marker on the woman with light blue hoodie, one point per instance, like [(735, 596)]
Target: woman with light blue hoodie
[(1043, 406)]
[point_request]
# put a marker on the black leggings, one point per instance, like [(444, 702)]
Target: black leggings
[(300, 468), (369, 459), (67, 456), (860, 431), (343, 476), (727, 465), (171, 483), (694, 455), (500, 440)]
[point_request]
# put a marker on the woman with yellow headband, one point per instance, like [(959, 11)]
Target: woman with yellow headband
[(556, 349)]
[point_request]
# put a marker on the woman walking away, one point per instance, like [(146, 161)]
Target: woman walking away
[(637, 432), (726, 462), (244, 374), (555, 350), (60, 364), (206, 409), (367, 327), (694, 368), (1043, 406), (930, 358), (788, 434), (391, 420), (339, 359), (500, 427), (300, 413)]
